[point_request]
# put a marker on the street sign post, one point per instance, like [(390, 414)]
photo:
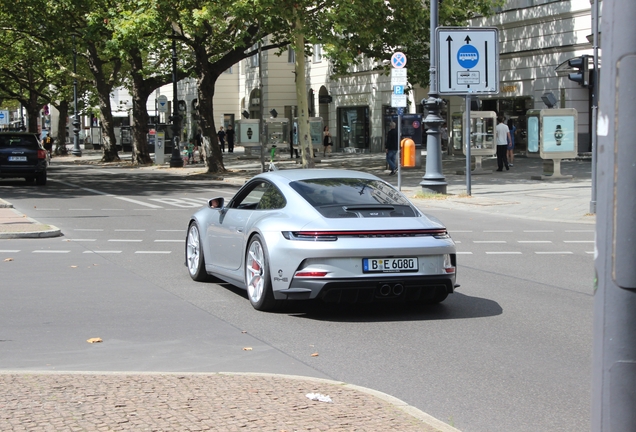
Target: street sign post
[(4, 117), (467, 60), (162, 104)]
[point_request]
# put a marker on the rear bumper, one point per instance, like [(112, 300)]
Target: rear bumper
[(398, 288), (8, 171)]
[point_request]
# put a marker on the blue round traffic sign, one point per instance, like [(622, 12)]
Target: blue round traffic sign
[(468, 56)]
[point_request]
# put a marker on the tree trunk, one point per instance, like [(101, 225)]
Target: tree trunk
[(141, 90), (304, 137), (32, 107), (62, 107), (205, 85), (109, 143)]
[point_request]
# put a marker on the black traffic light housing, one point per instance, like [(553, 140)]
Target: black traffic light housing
[(582, 76)]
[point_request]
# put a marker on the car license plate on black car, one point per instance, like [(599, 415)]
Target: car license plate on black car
[(389, 265), (17, 158)]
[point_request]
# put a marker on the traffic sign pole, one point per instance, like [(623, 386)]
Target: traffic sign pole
[(467, 143)]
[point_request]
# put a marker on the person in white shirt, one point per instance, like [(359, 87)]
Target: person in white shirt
[(503, 136)]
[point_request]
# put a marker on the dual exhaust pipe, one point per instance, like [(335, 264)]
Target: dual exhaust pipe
[(394, 290)]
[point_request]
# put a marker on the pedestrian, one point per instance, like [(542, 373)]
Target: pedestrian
[(510, 153), (326, 141), (221, 135), (391, 147), (443, 133), (48, 145), (503, 136), (198, 144), (229, 135)]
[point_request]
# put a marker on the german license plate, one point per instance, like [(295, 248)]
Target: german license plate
[(389, 265), (17, 158)]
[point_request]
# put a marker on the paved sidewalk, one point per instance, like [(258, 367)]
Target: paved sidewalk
[(227, 402), (40, 401)]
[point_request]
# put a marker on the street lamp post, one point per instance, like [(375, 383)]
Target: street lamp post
[(76, 122), (433, 178), (175, 159)]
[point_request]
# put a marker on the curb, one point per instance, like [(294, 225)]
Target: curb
[(425, 418)]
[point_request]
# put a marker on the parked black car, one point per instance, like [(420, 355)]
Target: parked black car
[(22, 155)]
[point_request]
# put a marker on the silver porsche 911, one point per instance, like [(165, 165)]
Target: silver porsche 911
[(341, 236)]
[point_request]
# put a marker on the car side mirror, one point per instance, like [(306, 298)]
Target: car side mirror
[(216, 203)]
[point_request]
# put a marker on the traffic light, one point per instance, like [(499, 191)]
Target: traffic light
[(582, 76)]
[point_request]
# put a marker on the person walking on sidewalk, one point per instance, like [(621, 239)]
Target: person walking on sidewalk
[(391, 147), (511, 144), (221, 135), (503, 136), (229, 135)]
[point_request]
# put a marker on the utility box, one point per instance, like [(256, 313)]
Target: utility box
[(553, 136), (482, 136), (248, 133), (316, 128)]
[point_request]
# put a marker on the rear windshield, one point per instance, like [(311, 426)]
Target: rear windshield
[(347, 197), (23, 141)]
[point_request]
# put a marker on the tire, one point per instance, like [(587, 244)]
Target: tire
[(195, 261), (40, 179), (257, 277)]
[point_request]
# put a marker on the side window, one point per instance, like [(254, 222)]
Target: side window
[(272, 199), (259, 195), (250, 196)]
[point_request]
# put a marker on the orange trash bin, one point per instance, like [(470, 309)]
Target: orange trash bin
[(407, 147)]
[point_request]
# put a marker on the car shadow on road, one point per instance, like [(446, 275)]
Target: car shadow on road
[(456, 306)]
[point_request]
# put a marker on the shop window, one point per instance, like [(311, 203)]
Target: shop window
[(353, 127)]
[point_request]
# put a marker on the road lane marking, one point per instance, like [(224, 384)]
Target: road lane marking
[(80, 240), (88, 229), (102, 252), (182, 202), (112, 209), (538, 231), (579, 231), (80, 209), (170, 241), (130, 230), (503, 253), (51, 251), (10, 251), (534, 241), (488, 241), (166, 230), (578, 241), (554, 253), (125, 240), (153, 252), (497, 231), (464, 253), (94, 191)]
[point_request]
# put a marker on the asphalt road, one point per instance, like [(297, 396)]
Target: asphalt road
[(510, 351)]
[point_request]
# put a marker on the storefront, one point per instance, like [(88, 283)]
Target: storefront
[(353, 128)]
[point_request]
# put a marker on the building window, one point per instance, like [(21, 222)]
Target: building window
[(254, 58), (291, 56), (317, 53)]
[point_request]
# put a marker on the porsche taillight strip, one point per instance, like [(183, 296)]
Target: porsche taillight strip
[(334, 235), (374, 233)]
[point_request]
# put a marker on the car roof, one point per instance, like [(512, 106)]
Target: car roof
[(313, 173)]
